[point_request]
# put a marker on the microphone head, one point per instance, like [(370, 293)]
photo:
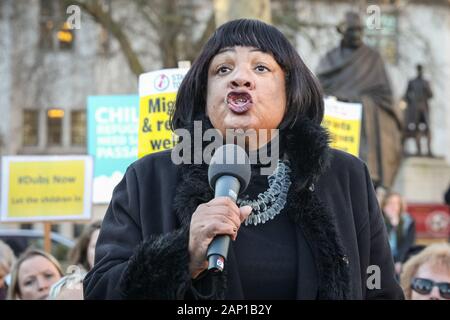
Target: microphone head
[(230, 160)]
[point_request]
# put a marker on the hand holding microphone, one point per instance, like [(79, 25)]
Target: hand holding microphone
[(215, 222)]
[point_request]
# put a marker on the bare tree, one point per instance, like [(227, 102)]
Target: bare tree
[(285, 14), (173, 22)]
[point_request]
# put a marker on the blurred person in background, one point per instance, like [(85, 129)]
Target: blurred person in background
[(447, 202), (381, 193), (81, 259), (7, 259), (426, 276), (33, 274), (400, 226), (447, 196), (83, 252)]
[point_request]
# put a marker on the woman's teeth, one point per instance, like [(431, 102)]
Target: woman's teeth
[(238, 102)]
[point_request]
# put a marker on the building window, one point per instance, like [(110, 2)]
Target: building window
[(104, 40), (65, 37), (30, 127), (54, 29), (104, 35), (54, 126), (384, 38), (46, 25), (78, 128), (46, 35)]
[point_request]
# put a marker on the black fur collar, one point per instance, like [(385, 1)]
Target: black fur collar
[(306, 146)]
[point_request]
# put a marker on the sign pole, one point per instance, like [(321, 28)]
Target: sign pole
[(47, 237)]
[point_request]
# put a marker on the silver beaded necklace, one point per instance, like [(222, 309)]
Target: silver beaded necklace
[(270, 203)]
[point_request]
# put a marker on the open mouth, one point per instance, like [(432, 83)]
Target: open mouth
[(239, 102)]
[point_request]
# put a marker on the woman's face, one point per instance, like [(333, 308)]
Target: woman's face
[(393, 206), (91, 247), (246, 90), (35, 276), (434, 273)]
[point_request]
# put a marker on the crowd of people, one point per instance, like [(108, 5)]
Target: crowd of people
[(423, 272), (38, 275)]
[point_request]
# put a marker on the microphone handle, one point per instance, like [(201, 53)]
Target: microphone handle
[(226, 186), (217, 253)]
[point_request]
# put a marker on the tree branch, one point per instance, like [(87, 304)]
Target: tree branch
[(95, 9)]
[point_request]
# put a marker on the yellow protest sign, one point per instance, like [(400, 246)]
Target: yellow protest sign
[(157, 94), (46, 188), (343, 121)]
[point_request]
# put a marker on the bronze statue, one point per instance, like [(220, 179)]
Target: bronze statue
[(354, 72), (417, 120)]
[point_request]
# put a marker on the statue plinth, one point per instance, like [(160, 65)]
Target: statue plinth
[(423, 180)]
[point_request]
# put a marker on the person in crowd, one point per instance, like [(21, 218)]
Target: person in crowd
[(400, 226), (426, 276), (7, 259), (309, 229), (81, 259), (83, 252), (33, 274), (381, 193), (447, 202), (447, 196)]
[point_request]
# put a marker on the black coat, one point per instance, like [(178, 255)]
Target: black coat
[(142, 250)]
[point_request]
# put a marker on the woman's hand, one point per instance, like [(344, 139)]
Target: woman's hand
[(220, 216)]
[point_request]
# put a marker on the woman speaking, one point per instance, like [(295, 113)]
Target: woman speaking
[(311, 229)]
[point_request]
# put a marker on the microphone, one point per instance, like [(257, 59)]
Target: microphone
[(228, 174)]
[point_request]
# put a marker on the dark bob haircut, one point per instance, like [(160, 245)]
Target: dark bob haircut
[(303, 92)]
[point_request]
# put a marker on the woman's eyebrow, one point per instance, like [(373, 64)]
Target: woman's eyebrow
[(226, 49), (232, 49), (48, 271), (28, 278)]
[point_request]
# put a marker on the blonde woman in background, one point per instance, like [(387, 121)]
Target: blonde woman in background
[(426, 276), (33, 274)]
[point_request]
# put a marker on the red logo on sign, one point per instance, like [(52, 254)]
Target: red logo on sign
[(161, 82), (432, 220)]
